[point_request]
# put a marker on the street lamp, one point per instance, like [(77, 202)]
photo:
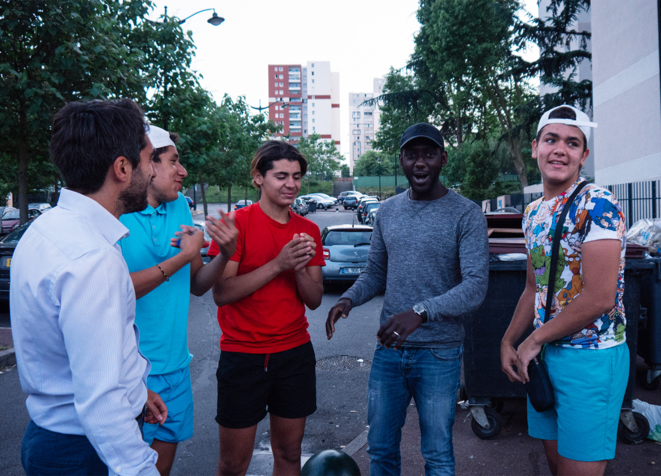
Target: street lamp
[(215, 20), (378, 161), (260, 108)]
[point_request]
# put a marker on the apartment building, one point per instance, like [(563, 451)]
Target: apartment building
[(305, 100), (364, 121)]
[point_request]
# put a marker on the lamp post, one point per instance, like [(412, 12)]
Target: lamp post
[(215, 20), (378, 161)]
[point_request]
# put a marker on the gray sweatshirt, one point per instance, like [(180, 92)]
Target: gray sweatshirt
[(434, 253)]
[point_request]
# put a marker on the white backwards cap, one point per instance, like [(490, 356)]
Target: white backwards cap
[(159, 137), (582, 121)]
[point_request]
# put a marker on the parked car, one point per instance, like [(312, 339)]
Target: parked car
[(207, 238), (300, 207), (7, 247), (190, 201), (348, 193), (369, 206), (11, 218), (324, 202), (350, 202), (371, 217), (345, 249), (361, 204), (42, 207), (242, 204)]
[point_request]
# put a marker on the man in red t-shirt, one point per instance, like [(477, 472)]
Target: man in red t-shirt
[(267, 362)]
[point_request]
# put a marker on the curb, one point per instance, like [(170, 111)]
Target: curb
[(7, 358)]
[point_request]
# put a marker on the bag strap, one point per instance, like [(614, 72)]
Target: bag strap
[(550, 290)]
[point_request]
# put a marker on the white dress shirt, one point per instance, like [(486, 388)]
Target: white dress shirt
[(72, 311)]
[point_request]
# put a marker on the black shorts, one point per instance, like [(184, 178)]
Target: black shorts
[(249, 385)]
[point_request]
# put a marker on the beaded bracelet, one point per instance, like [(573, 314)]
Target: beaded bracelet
[(164, 275)]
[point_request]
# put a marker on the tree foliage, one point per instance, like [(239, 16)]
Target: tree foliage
[(323, 157), (466, 77)]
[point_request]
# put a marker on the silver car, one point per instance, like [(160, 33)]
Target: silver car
[(345, 249)]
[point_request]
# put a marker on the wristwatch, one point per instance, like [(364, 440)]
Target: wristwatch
[(420, 311)]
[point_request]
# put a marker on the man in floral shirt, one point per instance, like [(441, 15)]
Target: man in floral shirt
[(584, 331)]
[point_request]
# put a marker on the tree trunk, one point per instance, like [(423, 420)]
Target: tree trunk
[(460, 135), (204, 195), (23, 165), (229, 198), (519, 164), (246, 195), (56, 187)]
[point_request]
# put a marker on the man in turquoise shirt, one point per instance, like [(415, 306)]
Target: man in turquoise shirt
[(163, 256)]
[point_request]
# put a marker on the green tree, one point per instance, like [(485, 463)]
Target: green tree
[(368, 164), (74, 55), (345, 171), (322, 155)]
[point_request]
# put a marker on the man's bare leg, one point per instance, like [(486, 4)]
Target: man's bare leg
[(236, 447), (551, 450), (166, 452), (286, 438), (561, 466)]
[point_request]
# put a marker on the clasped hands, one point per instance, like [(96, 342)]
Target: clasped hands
[(514, 362), (224, 232), (297, 253)]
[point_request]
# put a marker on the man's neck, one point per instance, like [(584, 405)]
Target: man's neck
[(107, 199), (438, 191), (552, 190), (153, 201), (276, 212)]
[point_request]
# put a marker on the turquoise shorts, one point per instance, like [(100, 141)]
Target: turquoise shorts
[(176, 391), (589, 387)]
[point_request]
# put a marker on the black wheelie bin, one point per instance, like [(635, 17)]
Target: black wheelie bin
[(486, 386)]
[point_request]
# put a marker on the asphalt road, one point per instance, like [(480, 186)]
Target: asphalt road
[(341, 384), (341, 399)]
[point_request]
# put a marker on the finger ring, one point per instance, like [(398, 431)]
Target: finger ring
[(395, 332)]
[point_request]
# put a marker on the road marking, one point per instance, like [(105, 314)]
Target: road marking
[(356, 444)]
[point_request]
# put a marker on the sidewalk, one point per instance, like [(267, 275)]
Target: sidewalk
[(513, 452)]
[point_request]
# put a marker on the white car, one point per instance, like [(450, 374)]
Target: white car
[(322, 201)]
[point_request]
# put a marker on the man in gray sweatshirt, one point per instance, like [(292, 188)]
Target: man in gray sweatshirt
[(430, 254)]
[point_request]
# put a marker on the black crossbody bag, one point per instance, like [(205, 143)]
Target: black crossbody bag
[(539, 388)]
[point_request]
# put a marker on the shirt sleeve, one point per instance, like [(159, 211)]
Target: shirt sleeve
[(96, 334), (604, 219), (467, 296), (372, 280)]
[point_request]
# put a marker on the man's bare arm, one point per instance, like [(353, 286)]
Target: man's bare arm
[(522, 320)]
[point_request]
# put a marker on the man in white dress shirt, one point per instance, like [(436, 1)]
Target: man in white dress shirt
[(73, 303)]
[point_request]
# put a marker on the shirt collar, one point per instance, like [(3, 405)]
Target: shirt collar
[(161, 210), (109, 226), (570, 190)]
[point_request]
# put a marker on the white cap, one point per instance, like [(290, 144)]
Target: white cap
[(159, 137), (582, 121)]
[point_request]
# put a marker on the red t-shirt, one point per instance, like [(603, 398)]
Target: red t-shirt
[(272, 319)]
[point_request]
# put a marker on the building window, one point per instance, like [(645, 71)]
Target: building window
[(280, 70), (313, 80), (276, 76), (312, 73), (314, 128), (313, 65), (313, 113), (312, 120)]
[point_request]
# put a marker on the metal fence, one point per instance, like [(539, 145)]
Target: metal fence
[(638, 199)]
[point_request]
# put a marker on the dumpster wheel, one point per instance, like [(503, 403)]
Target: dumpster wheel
[(653, 385), (635, 438), (495, 425)]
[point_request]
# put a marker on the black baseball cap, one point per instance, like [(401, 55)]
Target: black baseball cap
[(422, 129)]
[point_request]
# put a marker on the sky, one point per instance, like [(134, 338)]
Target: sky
[(362, 39)]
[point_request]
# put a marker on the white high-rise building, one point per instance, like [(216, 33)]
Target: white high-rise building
[(364, 121), (306, 100)]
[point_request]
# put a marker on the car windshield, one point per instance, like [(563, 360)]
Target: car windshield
[(347, 237), (11, 215), (16, 235)]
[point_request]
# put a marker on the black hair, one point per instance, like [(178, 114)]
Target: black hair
[(563, 113), (271, 151), (88, 136), (174, 137)]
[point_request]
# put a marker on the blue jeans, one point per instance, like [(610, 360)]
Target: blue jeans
[(431, 378), (46, 453)]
